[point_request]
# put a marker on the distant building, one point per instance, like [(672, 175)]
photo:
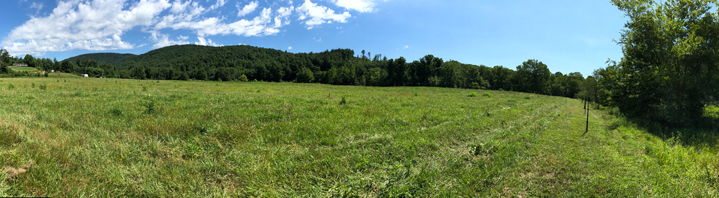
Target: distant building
[(84, 75), (19, 64)]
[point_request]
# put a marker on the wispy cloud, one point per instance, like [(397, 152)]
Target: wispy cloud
[(163, 40), (207, 42), (249, 8), (37, 6), (358, 5)]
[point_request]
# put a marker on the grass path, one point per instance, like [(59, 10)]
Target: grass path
[(614, 159)]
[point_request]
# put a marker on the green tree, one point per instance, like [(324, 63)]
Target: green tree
[(305, 76), (669, 68), (532, 76), (202, 74), (4, 57), (450, 74)]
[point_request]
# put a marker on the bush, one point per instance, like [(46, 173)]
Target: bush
[(526, 97), (472, 94), (10, 86), (43, 87), (242, 78), (116, 112), (488, 95), (149, 106), (343, 101)]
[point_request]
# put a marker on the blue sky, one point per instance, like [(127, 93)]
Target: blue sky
[(567, 35)]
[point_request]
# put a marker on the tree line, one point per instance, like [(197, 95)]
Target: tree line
[(337, 67)]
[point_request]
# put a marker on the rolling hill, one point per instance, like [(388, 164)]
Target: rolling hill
[(110, 58)]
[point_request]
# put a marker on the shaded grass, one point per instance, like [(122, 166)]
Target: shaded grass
[(97, 137)]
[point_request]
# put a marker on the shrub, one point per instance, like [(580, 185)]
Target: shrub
[(116, 112), (10, 86), (526, 97), (488, 95), (149, 106), (343, 101), (43, 87), (472, 94), (242, 78), (33, 85)]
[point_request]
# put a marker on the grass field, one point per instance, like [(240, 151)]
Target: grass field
[(73, 137)]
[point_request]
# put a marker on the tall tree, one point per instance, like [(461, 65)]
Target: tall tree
[(669, 68), (532, 76)]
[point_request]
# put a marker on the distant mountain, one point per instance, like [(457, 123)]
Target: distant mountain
[(206, 62), (190, 57), (101, 58)]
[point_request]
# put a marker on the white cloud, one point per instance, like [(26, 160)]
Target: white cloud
[(283, 16), (218, 4), (406, 47), (208, 42), (249, 8), (163, 40), (37, 6), (317, 15), (208, 26), (101, 24), (285, 11), (289, 48), (89, 25), (178, 6), (258, 26), (358, 5)]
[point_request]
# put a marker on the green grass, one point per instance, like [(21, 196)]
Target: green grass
[(118, 137), (22, 68)]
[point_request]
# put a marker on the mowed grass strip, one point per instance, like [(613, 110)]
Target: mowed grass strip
[(119, 137), (22, 68)]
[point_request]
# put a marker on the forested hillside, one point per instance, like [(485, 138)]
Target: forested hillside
[(102, 58)]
